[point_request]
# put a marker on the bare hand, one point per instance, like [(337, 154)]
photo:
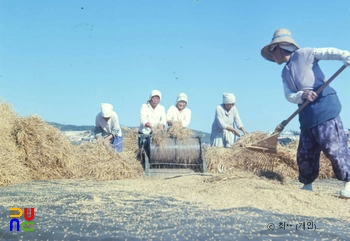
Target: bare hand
[(148, 125), (236, 132), (245, 132), (309, 95)]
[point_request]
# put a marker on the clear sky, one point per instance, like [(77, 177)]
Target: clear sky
[(61, 59)]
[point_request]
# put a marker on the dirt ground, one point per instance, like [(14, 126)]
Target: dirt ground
[(196, 206)]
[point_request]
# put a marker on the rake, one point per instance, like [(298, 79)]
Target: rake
[(269, 144)]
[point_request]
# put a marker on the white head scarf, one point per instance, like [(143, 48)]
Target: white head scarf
[(183, 97), (155, 92), (106, 110), (228, 98)]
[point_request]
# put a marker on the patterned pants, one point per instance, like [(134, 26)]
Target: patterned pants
[(328, 137)]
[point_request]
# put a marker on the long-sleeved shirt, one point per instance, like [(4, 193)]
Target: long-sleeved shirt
[(154, 116), (302, 72), (104, 128), (183, 116), (225, 118), (311, 76)]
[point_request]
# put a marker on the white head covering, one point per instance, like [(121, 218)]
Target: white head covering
[(106, 110), (155, 92), (228, 98), (288, 47), (182, 96)]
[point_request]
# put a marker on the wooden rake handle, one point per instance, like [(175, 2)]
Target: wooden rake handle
[(281, 126)]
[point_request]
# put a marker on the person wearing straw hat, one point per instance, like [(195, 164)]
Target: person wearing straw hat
[(223, 129), (179, 112), (107, 127), (320, 123)]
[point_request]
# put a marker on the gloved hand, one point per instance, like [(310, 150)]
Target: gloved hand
[(346, 61)]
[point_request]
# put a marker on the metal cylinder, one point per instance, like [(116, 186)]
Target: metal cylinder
[(174, 151)]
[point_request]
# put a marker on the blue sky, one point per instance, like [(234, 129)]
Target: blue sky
[(61, 59)]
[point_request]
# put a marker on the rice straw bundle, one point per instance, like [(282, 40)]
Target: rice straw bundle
[(159, 135), (179, 132)]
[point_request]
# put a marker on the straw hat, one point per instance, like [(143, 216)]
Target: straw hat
[(106, 110), (282, 36)]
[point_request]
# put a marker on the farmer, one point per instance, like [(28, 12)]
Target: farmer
[(179, 112), (223, 129), (107, 127), (320, 123), (152, 115)]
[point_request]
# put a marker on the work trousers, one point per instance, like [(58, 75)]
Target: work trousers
[(328, 137)]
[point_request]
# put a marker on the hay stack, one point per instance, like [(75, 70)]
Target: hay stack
[(44, 149), (11, 160), (225, 160)]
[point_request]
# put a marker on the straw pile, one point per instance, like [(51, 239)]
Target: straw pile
[(11, 168), (31, 149), (100, 162), (45, 151), (226, 160)]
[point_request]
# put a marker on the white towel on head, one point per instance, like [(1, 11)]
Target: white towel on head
[(106, 110), (228, 98)]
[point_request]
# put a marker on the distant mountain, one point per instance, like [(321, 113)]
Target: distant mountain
[(63, 127), (205, 137)]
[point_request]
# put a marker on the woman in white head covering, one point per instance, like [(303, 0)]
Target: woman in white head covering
[(179, 112), (107, 127), (152, 114), (320, 123), (226, 118)]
